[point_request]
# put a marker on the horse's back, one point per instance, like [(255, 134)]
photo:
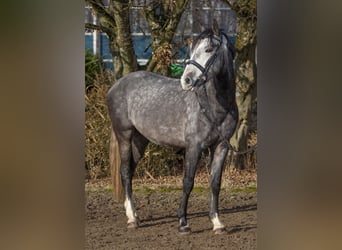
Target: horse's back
[(135, 80)]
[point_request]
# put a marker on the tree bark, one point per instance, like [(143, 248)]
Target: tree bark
[(246, 75), (123, 36), (114, 21), (163, 18)]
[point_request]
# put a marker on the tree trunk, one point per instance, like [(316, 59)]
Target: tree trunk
[(123, 36), (115, 22), (246, 80), (246, 93), (163, 19), (116, 57)]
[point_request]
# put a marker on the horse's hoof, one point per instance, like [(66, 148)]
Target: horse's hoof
[(220, 231), (184, 230), (132, 225)]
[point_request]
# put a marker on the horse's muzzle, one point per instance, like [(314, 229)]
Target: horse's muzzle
[(187, 83)]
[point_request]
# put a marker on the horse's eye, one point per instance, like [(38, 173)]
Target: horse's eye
[(208, 50)]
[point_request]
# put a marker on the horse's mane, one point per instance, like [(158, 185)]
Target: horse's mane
[(209, 33)]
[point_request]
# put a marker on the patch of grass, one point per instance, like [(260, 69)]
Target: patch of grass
[(144, 190), (148, 190), (250, 189), (169, 189), (108, 188), (165, 189), (200, 189)]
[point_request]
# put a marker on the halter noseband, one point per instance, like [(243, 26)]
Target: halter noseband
[(204, 76)]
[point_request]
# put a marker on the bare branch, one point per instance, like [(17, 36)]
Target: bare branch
[(100, 9), (101, 28), (230, 4), (91, 26), (244, 9)]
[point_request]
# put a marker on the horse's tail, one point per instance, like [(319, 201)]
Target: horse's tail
[(114, 161)]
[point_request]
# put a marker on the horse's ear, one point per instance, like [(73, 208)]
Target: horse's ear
[(216, 28)]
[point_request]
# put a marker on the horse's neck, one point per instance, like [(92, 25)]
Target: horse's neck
[(221, 97)]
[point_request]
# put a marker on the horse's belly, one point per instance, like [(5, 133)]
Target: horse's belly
[(162, 135)]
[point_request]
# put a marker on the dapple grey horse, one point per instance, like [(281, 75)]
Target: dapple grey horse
[(196, 112)]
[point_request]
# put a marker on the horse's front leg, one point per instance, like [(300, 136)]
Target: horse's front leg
[(191, 159), (215, 185)]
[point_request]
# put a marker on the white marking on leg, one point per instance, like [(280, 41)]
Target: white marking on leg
[(180, 222), (130, 213), (217, 223)]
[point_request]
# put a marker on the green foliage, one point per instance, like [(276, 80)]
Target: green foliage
[(176, 70), (93, 67)]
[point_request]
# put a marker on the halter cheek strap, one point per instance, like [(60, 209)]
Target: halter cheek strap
[(204, 76)]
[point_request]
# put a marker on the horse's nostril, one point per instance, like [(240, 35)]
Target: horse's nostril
[(188, 80)]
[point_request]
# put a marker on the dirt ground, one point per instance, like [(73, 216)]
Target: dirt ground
[(157, 203)]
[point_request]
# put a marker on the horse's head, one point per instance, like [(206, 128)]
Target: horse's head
[(205, 61)]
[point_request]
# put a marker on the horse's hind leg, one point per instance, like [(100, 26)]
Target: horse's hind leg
[(126, 170), (139, 143), (132, 147), (215, 185)]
